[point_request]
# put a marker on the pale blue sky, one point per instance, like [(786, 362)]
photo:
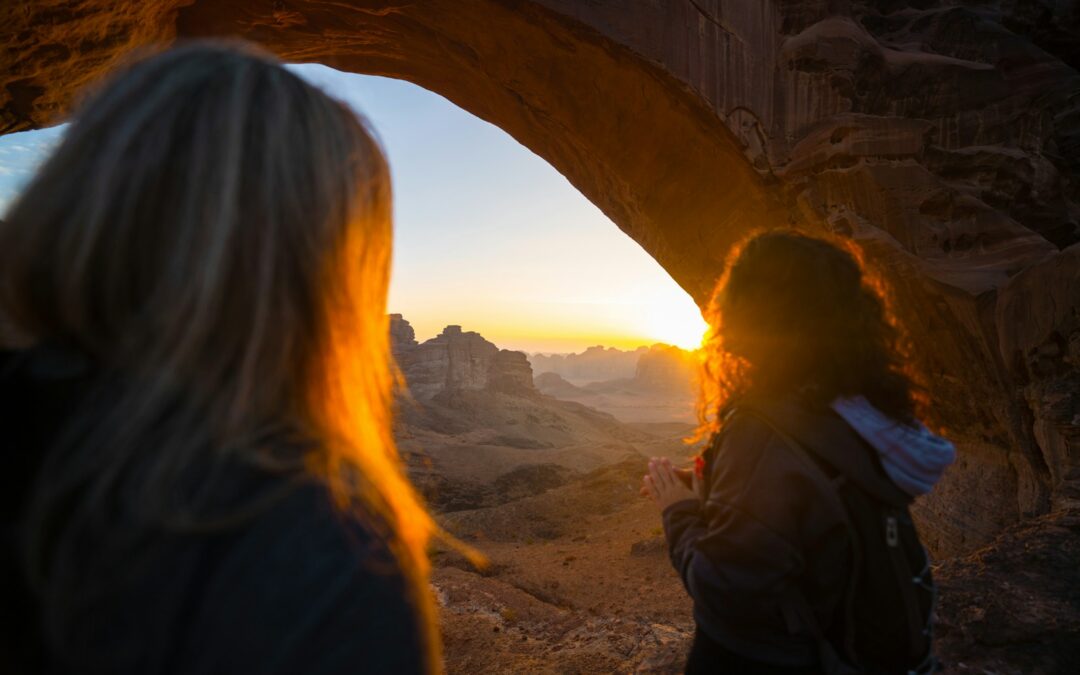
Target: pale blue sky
[(488, 235)]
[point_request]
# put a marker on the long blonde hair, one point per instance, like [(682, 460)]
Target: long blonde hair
[(216, 234)]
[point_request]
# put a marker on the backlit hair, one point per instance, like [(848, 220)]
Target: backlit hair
[(794, 315), (217, 233)]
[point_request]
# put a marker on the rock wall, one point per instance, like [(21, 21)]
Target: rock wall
[(943, 137)]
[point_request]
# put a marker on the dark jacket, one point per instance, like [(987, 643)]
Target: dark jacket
[(294, 589), (769, 527)]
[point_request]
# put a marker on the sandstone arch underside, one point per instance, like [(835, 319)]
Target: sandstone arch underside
[(945, 139)]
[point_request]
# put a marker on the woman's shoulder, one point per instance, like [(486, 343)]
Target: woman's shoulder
[(759, 471), (772, 426), (752, 456), (746, 438), (302, 537), (301, 515), (306, 587)]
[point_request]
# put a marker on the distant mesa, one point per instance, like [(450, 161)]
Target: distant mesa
[(664, 367), (659, 368), (595, 364), (456, 361), (463, 380), (660, 386)]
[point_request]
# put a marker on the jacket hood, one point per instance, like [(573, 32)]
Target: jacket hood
[(912, 456)]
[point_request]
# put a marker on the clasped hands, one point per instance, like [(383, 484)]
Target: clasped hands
[(666, 485)]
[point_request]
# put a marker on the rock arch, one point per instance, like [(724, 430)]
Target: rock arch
[(944, 139)]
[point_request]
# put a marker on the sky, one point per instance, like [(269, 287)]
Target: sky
[(488, 235)]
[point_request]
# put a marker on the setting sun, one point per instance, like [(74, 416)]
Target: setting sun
[(674, 319)]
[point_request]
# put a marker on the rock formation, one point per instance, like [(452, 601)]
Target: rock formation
[(476, 432), (456, 361), (943, 137), (402, 335)]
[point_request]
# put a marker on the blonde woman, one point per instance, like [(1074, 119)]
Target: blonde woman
[(200, 471)]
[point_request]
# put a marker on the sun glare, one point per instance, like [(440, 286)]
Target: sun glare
[(674, 319)]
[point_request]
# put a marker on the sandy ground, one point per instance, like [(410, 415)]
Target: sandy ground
[(579, 582), (581, 585)]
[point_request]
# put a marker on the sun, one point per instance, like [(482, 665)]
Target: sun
[(674, 319)]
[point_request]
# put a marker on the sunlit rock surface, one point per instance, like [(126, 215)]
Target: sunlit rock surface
[(943, 137), (456, 361)]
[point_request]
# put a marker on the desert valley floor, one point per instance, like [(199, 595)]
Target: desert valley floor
[(578, 579)]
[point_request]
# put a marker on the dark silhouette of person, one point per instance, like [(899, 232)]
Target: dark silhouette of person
[(792, 533), (196, 387)]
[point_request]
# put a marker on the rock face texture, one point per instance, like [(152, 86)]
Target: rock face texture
[(402, 335), (456, 361), (943, 137)]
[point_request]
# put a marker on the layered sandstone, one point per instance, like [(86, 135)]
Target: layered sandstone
[(943, 137), (456, 361)]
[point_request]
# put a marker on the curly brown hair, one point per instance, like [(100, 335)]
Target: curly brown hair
[(794, 314)]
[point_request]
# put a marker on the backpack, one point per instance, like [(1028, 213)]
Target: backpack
[(885, 623)]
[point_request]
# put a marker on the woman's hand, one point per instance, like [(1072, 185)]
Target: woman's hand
[(664, 486)]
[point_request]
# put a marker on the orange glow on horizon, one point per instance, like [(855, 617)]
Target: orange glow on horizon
[(571, 328)]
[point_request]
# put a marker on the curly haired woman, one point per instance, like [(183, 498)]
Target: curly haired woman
[(793, 536)]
